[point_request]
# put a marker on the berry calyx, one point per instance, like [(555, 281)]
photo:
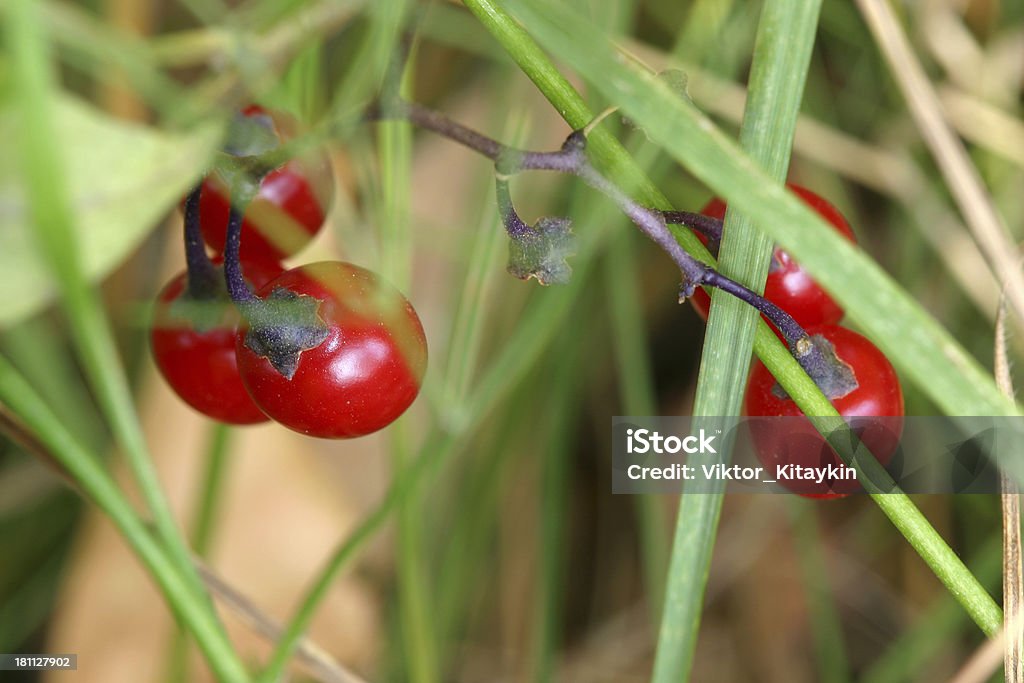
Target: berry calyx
[(193, 343), (858, 380), (789, 286), (286, 213), (355, 351)]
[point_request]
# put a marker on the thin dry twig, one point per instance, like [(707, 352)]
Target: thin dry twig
[(983, 662), (12, 428), (1013, 592), (310, 655)]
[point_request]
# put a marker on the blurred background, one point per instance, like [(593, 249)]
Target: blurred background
[(511, 560)]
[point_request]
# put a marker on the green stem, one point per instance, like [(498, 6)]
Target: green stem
[(52, 216), (202, 532), (937, 626), (83, 467), (339, 560), (217, 456), (550, 595), (781, 57)]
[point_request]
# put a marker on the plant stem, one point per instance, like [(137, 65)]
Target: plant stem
[(705, 225), (572, 159), (781, 56), (238, 288), (202, 532), (202, 275)]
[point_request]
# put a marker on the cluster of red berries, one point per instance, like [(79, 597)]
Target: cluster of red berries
[(362, 354), (872, 390)]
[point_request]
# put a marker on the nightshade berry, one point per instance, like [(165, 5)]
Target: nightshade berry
[(857, 379), (789, 286), (331, 350), (286, 213)]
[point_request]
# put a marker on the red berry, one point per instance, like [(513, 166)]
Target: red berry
[(874, 392), (789, 286), (284, 216), (200, 365), (363, 374)]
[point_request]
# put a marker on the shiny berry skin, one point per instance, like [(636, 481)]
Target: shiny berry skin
[(286, 214), (876, 393), (788, 285), (201, 366), (362, 376)]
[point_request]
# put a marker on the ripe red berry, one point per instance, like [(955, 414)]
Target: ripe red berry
[(200, 364), (870, 389), (789, 286), (284, 216), (358, 375)]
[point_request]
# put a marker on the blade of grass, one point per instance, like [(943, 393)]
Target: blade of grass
[(34, 348), (415, 600), (191, 608), (34, 84), (554, 499), (781, 55)]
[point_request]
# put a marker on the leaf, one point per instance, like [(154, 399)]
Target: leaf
[(122, 178), (541, 252)]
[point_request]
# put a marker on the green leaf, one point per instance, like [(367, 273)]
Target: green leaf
[(122, 178)]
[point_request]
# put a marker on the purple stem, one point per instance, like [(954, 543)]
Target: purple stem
[(705, 225), (202, 274), (783, 322), (238, 288), (514, 225), (572, 159)]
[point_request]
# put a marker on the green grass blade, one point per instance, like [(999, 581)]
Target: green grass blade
[(933, 630), (555, 489), (203, 524), (781, 55), (415, 599)]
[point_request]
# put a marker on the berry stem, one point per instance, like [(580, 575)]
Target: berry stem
[(514, 225), (202, 274), (705, 225), (571, 158), (238, 288)]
